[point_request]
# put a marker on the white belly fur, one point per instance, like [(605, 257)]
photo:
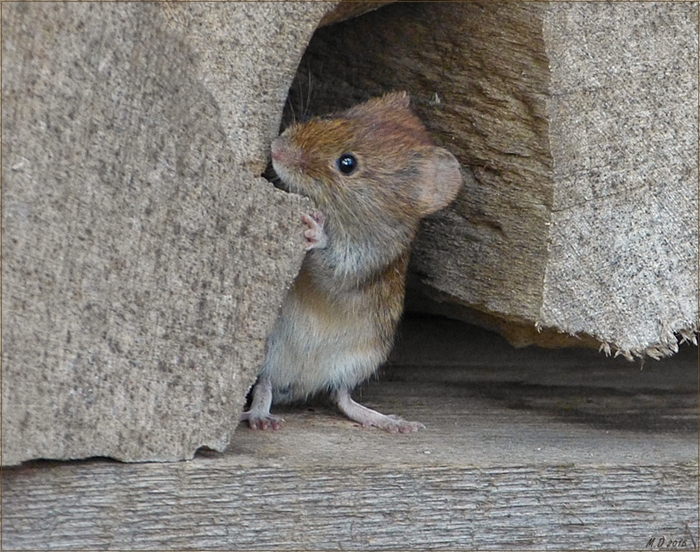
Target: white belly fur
[(318, 344)]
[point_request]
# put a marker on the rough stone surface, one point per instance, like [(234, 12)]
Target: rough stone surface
[(144, 258), (347, 9), (576, 124), (623, 117)]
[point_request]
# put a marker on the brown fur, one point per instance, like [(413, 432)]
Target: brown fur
[(338, 322)]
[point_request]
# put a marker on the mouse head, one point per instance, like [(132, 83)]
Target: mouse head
[(375, 159)]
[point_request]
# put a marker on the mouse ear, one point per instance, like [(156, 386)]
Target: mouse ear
[(396, 100), (440, 181)]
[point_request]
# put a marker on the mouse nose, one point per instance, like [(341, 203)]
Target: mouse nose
[(276, 149), (283, 152), (280, 148)]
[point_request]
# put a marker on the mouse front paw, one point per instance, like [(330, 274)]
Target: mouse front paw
[(262, 421), (315, 235)]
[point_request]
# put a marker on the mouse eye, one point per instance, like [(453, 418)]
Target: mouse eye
[(347, 163)]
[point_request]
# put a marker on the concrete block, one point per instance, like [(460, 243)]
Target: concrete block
[(144, 259)]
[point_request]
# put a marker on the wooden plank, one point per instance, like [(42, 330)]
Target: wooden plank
[(216, 503), (526, 448)]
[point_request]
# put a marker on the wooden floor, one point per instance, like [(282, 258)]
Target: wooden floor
[(524, 449)]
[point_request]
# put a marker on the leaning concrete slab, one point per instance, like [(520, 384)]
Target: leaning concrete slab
[(144, 258), (623, 125)]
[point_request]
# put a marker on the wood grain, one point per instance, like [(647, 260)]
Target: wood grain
[(220, 504)]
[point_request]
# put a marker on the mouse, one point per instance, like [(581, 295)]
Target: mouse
[(372, 172)]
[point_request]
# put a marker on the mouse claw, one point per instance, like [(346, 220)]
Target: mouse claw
[(263, 422), (316, 237)]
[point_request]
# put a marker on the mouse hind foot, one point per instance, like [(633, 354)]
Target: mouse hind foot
[(261, 421), (371, 418), (259, 417)]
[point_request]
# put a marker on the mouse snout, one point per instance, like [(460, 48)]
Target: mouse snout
[(276, 149), (284, 153)]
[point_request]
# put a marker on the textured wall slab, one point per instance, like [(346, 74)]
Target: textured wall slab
[(144, 258), (623, 117)]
